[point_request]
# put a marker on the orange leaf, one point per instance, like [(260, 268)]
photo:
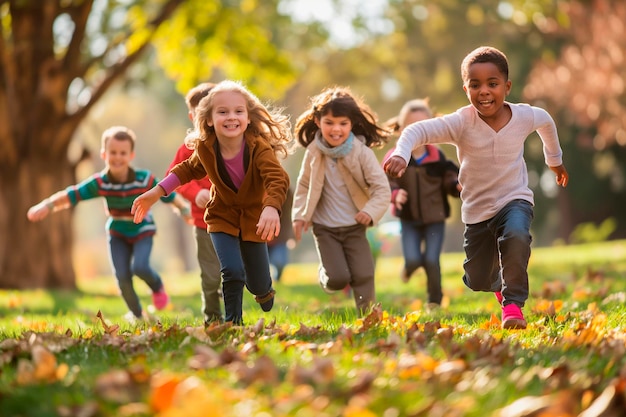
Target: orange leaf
[(45, 364), (494, 321), (162, 388)]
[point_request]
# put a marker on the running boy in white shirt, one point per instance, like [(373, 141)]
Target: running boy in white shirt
[(497, 204)]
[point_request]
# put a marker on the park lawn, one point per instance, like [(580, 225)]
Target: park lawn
[(311, 355)]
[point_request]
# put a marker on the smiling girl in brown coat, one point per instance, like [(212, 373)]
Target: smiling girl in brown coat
[(236, 147)]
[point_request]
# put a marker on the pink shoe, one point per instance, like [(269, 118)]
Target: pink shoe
[(512, 317), (160, 299), (499, 297)]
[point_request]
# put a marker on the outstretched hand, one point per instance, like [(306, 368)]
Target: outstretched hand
[(562, 177), (38, 212), (141, 205), (395, 166)]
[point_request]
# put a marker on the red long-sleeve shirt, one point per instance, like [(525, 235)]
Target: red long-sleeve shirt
[(191, 189)]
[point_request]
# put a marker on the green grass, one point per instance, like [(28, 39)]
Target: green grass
[(311, 356)]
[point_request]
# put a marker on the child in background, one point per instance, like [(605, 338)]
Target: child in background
[(130, 244), (237, 143), (497, 204), (419, 198), (198, 193), (279, 248), (341, 190)]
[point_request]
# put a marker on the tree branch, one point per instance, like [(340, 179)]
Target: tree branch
[(80, 15), (117, 71)]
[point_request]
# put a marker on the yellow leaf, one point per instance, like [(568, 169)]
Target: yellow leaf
[(357, 411)]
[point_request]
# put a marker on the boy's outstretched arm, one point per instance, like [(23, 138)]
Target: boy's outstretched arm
[(142, 204), (395, 166), (562, 177), (56, 201)]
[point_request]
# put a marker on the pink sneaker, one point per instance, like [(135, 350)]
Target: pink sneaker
[(512, 317), (499, 297), (160, 299)]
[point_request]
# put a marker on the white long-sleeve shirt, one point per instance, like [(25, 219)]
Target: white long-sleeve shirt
[(492, 167)]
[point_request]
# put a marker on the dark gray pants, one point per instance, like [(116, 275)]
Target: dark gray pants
[(497, 253)]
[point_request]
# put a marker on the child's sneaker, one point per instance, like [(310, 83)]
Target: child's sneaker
[(160, 299), (404, 276), (266, 301), (327, 290), (499, 297), (512, 317), (323, 279), (132, 319)]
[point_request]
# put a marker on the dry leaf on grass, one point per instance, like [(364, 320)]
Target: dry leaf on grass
[(41, 368), (108, 329)]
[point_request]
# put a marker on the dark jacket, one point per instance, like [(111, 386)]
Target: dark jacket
[(428, 185)]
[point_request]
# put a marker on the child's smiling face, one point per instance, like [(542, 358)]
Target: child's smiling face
[(229, 117), (118, 154), (486, 88), (335, 130)]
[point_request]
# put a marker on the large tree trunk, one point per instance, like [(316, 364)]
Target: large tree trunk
[(35, 255), (37, 125)]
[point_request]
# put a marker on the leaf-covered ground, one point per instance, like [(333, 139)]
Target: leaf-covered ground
[(73, 354)]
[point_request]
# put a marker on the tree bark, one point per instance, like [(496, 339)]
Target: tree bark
[(35, 255), (36, 129)]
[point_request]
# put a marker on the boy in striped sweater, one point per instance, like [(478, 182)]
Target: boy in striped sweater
[(130, 244)]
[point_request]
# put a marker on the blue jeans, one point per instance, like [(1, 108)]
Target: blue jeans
[(242, 263), (497, 253), (133, 258), (430, 236), (279, 257)]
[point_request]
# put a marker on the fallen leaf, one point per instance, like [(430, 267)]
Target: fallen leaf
[(111, 330), (162, 387)]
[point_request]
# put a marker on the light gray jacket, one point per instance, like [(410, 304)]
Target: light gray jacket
[(364, 177)]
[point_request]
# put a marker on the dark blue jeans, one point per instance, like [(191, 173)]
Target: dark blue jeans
[(497, 253), (241, 263), (279, 257), (132, 258), (421, 247)]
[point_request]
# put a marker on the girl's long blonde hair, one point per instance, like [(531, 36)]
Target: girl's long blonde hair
[(266, 122)]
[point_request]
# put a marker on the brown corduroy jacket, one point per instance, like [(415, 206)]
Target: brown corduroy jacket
[(230, 210)]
